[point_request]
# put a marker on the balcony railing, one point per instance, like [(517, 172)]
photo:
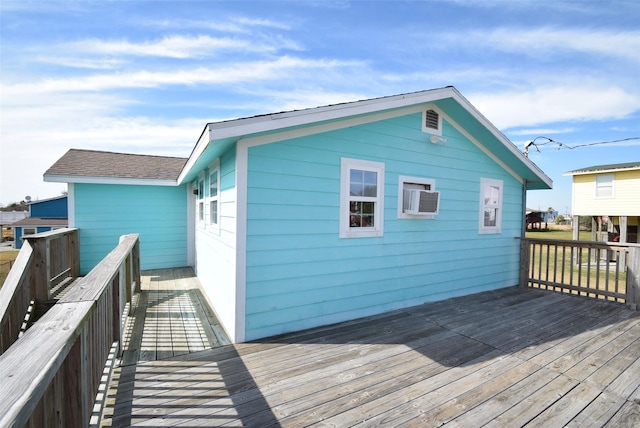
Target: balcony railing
[(44, 262), (50, 376), (604, 270)]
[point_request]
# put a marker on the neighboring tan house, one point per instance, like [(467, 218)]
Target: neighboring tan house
[(610, 195), (44, 215), (299, 219)]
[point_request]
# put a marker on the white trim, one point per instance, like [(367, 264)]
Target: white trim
[(486, 151), (201, 145), (71, 205), (402, 180), (242, 165), (327, 127), (191, 228), (107, 180), (201, 221), (500, 136), (270, 122), (482, 229), (346, 231), (612, 186), (431, 131), (211, 226)]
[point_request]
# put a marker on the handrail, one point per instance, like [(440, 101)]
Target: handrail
[(58, 386), (44, 260), (605, 270)]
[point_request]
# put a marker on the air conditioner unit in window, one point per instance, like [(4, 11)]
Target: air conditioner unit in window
[(421, 202)]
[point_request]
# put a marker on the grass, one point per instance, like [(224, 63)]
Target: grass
[(559, 234), (6, 259), (550, 265)]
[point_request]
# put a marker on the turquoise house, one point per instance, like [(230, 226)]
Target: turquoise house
[(298, 219)]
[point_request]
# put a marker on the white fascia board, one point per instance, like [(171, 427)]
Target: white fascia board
[(272, 122), (246, 127), (501, 137), (52, 178), (201, 145)]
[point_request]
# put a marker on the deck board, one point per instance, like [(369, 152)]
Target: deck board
[(510, 357)]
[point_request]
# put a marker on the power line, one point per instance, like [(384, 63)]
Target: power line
[(560, 145)]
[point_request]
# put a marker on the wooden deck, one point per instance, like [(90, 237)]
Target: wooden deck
[(512, 358)]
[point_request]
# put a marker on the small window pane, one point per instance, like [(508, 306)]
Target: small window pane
[(213, 184), (490, 216), (361, 214), (363, 183), (214, 212), (491, 195)]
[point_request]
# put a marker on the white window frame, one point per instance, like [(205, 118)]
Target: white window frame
[(426, 129), (491, 204), (421, 183), (213, 222), (604, 182), (200, 200), (346, 166)]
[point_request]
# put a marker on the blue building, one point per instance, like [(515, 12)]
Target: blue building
[(304, 218), (44, 215)]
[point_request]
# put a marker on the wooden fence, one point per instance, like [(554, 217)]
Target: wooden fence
[(50, 376), (604, 270), (44, 261)]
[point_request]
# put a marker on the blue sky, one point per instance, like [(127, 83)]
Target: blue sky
[(146, 76)]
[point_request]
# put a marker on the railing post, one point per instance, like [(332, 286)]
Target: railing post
[(39, 270), (525, 257), (633, 278), (73, 251)]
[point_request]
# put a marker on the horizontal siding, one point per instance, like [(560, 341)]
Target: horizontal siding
[(301, 274), (626, 200), (216, 251), (103, 213)]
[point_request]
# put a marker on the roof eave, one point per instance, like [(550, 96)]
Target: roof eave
[(56, 178)]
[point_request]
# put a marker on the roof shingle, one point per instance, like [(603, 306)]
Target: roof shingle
[(92, 163)]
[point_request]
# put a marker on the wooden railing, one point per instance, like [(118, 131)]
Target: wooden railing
[(44, 261), (50, 376), (604, 270)]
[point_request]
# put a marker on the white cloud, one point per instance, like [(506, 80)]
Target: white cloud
[(544, 105), (239, 72), (174, 46), (622, 44)]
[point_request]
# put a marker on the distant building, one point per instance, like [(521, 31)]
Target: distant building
[(6, 219), (43, 216), (610, 195)]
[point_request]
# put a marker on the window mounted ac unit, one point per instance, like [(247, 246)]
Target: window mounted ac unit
[(421, 202)]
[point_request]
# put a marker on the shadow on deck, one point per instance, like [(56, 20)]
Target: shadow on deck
[(502, 358)]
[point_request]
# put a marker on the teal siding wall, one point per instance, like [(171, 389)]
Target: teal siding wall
[(300, 274), (105, 212), (216, 250)]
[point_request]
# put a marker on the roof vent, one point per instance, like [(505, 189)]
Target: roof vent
[(431, 122), (431, 119)]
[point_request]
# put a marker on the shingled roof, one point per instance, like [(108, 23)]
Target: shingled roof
[(605, 168), (98, 164)]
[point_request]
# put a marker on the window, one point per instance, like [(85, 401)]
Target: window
[(604, 186), (28, 231), (361, 198), (200, 198), (412, 183), (490, 206), (214, 195)]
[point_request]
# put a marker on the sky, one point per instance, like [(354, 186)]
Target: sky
[(146, 76)]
